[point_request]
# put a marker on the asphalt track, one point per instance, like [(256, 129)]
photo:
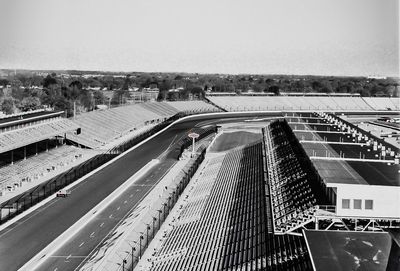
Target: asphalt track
[(73, 253), (27, 237)]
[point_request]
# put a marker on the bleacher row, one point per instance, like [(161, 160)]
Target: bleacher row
[(41, 166), (101, 127), (246, 103), (30, 134), (292, 195), (223, 223)]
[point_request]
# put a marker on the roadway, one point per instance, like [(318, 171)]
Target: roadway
[(27, 237), (35, 231)]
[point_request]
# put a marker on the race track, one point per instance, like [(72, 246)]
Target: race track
[(27, 237)]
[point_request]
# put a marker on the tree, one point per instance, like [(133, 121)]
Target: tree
[(48, 81), (4, 82), (62, 104), (29, 103), (99, 97), (274, 89), (8, 106)]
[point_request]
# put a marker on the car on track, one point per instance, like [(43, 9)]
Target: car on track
[(63, 193)]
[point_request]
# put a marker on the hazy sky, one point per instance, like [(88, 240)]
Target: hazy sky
[(329, 37)]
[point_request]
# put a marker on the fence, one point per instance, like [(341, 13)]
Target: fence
[(131, 260)]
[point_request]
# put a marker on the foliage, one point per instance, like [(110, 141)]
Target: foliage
[(32, 90)]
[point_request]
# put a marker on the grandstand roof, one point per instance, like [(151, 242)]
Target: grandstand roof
[(346, 250), (335, 171), (17, 138), (26, 117)]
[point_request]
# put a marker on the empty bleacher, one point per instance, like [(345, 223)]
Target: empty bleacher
[(40, 167), (383, 103), (101, 127), (16, 138), (224, 223), (294, 192), (190, 107), (272, 103)]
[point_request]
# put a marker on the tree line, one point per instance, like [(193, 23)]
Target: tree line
[(30, 90)]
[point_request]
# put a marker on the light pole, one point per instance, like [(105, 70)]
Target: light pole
[(133, 249), (147, 234), (154, 219), (159, 220), (140, 245)]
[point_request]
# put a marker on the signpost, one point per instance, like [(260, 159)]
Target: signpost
[(193, 136)]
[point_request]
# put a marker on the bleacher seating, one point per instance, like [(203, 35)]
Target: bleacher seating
[(193, 106), (224, 223), (13, 139), (383, 103), (160, 108), (277, 103), (293, 194), (36, 167), (104, 126)]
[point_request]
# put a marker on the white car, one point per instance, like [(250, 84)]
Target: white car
[(63, 193)]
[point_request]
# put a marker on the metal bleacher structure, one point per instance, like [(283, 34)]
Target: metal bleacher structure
[(293, 192), (248, 208), (226, 223), (328, 103), (25, 152), (102, 128)]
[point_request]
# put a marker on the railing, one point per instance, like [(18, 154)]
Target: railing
[(328, 208)]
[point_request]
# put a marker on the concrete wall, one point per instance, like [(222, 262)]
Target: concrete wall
[(386, 200)]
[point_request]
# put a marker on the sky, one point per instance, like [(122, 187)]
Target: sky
[(320, 37)]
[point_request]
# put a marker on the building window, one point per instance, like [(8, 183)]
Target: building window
[(345, 204), (357, 204), (369, 204)]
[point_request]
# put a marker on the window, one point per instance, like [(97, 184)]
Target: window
[(345, 204), (357, 204), (369, 204)]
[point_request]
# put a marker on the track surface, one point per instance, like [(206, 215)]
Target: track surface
[(27, 237), (73, 253)]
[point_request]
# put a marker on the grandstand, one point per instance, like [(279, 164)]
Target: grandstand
[(383, 103), (250, 206), (103, 128), (225, 223), (327, 103), (38, 168), (32, 152), (279, 184), (293, 186)]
